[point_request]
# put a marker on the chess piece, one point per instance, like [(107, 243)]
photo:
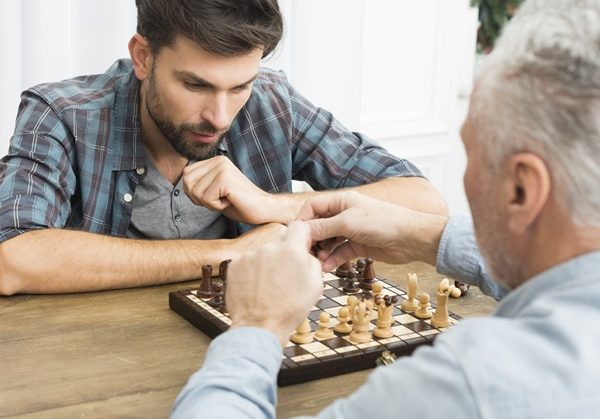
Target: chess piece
[(343, 319), (223, 266), (377, 290), (385, 308), (456, 293), (351, 303), (368, 275), (360, 268), (423, 312), (324, 332), (463, 287), (205, 290), (350, 283), (361, 318), (218, 301), (440, 317), (410, 305), (302, 334), (343, 271), (220, 287)]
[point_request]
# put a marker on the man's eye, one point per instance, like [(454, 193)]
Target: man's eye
[(241, 89), (193, 86)]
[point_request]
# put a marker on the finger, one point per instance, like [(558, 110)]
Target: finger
[(339, 255), (216, 196), (298, 234), (321, 206), (322, 229), (195, 185)]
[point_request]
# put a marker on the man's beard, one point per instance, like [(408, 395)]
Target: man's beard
[(188, 149)]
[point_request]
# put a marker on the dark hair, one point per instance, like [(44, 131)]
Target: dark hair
[(222, 27)]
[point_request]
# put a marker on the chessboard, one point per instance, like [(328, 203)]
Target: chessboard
[(326, 357)]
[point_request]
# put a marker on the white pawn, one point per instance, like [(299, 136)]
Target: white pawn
[(423, 312), (377, 290), (302, 333), (343, 319), (324, 332)]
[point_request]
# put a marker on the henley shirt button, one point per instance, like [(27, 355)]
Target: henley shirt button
[(176, 192), (177, 218), (140, 170), (127, 197)]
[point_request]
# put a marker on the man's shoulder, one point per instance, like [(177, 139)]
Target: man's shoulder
[(269, 77), (269, 87), (90, 92)]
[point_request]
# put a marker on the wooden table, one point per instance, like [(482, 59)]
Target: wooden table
[(124, 354)]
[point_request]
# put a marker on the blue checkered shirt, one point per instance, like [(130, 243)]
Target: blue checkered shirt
[(77, 144)]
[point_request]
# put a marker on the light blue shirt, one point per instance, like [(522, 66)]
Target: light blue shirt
[(535, 357)]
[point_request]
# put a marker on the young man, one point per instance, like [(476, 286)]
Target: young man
[(182, 141), (532, 139)]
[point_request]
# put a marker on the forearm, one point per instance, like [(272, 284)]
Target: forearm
[(237, 379), (412, 192), (57, 261)]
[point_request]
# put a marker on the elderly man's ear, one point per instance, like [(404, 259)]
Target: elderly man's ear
[(526, 190)]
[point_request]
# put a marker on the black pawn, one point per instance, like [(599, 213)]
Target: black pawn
[(368, 277), (343, 271), (360, 267), (350, 283)]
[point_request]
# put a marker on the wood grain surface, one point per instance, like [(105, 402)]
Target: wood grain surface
[(124, 354)]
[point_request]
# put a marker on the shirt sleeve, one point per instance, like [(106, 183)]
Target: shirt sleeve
[(238, 378), (459, 257), (36, 176), (431, 383), (329, 156)]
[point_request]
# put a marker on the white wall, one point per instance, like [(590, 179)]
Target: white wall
[(397, 70), (44, 41)]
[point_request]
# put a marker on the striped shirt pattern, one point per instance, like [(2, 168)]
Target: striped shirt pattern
[(75, 155)]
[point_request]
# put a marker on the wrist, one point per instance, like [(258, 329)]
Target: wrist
[(284, 206), (279, 332), (433, 234)]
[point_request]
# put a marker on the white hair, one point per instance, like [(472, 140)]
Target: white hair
[(539, 91)]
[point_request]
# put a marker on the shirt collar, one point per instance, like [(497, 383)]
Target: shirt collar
[(573, 273), (126, 140)]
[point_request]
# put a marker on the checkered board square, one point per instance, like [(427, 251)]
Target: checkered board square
[(329, 357)]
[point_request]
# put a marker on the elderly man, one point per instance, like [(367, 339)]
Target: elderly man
[(533, 139)]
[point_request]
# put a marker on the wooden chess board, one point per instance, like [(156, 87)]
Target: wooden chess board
[(329, 357)]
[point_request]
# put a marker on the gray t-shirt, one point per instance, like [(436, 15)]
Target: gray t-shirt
[(164, 211)]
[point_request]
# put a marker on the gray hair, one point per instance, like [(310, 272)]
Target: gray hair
[(539, 91)]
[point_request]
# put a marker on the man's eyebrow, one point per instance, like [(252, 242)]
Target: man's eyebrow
[(191, 77)]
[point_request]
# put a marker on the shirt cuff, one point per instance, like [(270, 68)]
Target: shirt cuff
[(458, 255)]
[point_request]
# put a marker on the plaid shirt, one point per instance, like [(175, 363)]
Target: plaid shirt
[(76, 155)]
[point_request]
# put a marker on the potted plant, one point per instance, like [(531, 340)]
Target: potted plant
[(493, 14)]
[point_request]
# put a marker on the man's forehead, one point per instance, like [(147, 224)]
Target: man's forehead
[(185, 56)]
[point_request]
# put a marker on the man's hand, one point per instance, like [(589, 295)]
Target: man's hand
[(253, 239), (275, 286), (219, 185), (349, 225)]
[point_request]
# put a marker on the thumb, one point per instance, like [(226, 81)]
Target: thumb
[(326, 228), (298, 234)]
